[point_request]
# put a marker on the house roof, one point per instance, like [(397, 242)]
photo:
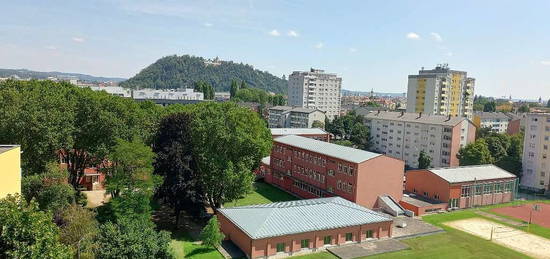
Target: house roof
[(471, 173), (297, 131), (305, 110), (416, 117), (341, 152), (281, 108), (6, 148), (292, 217), (492, 115)]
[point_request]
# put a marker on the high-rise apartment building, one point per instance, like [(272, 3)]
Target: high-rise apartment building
[(404, 135), (315, 89), (441, 91), (536, 153)]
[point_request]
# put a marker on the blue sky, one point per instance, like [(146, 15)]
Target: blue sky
[(505, 45)]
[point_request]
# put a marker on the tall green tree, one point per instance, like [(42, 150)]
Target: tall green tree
[(79, 229), (350, 127), (424, 160), (318, 124), (234, 88), (28, 232), (476, 153), (490, 107), (228, 144), (49, 189), (211, 235), (524, 108), (175, 163), (132, 238)]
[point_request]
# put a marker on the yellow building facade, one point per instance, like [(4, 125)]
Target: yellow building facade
[(10, 170)]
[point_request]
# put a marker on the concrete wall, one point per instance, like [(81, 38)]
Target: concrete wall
[(10, 172)]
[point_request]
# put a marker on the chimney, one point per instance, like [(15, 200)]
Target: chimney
[(419, 115), (402, 113), (448, 118)]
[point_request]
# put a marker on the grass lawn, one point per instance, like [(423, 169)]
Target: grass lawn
[(262, 193), (183, 247)]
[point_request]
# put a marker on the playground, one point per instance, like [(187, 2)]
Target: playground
[(539, 215), (529, 244)]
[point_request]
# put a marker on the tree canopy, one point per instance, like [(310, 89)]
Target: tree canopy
[(476, 153), (211, 235), (350, 127), (424, 160)]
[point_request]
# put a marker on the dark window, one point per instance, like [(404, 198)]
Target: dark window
[(327, 240), (280, 247), (369, 233), (305, 243), (349, 237)]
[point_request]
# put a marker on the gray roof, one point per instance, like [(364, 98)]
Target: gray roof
[(305, 110), (471, 173), (5, 148), (492, 115), (281, 108), (297, 131), (266, 160), (416, 118), (341, 152), (292, 217)]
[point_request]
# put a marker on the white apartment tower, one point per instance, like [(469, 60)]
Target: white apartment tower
[(315, 89), (441, 91), (536, 153)]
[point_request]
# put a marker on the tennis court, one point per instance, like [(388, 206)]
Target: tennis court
[(540, 216)]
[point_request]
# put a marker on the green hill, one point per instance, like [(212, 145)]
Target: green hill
[(173, 72)]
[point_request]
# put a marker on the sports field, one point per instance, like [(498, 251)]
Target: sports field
[(540, 216), (529, 244)]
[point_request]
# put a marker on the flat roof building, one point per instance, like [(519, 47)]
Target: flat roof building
[(294, 117), (310, 168), (404, 135), (296, 227), (314, 133), (461, 187), (10, 170), (536, 153)]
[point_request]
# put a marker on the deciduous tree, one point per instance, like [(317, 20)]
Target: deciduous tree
[(476, 153), (424, 160), (211, 235)]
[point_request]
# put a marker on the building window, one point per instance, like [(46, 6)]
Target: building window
[(280, 247), (479, 189), (327, 240), (331, 172), (369, 234), (304, 243), (349, 237)]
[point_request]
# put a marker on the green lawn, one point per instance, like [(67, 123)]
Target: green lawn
[(183, 247), (263, 193)]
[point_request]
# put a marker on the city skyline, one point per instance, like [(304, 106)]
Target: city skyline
[(369, 44)]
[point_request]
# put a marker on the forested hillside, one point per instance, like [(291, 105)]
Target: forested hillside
[(183, 71)]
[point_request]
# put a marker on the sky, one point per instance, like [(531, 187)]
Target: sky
[(504, 44)]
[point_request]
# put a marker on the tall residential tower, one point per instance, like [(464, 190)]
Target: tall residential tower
[(441, 91), (315, 89), (536, 151)]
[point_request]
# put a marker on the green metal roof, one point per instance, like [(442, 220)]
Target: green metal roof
[(345, 153), (292, 217)]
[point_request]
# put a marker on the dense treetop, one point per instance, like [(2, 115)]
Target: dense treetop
[(173, 72)]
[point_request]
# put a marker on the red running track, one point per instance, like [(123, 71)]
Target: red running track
[(541, 217)]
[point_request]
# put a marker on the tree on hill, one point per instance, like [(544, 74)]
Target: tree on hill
[(424, 160), (173, 72), (490, 107), (211, 235), (476, 153), (234, 88), (524, 108)]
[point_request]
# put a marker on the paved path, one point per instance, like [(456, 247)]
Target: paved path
[(415, 228), (501, 219), (367, 248)]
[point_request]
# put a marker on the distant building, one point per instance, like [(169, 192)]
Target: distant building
[(181, 94), (441, 91), (222, 96), (213, 62), (310, 168), (498, 122), (536, 153), (10, 170), (315, 89), (294, 117), (404, 135), (282, 229), (461, 187), (314, 133), (113, 90)]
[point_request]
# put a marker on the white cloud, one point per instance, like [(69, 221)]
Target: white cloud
[(436, 36), (450, 54), (207, 24), (319, 45), (275, 33), (413, 36), (545, 62), (292, 33), (78, 39), (51, 47), (352, 50)]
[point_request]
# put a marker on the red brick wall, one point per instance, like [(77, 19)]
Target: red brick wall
[(514, 127), (234, 233), (378, 176), (425, 181), (419, 211)]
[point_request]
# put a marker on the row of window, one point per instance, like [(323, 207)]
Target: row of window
[(344, 186), (277, 162), (309, 173), (488, 188), (327, 240), (342, 168), (308, 188), (317, 160)]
